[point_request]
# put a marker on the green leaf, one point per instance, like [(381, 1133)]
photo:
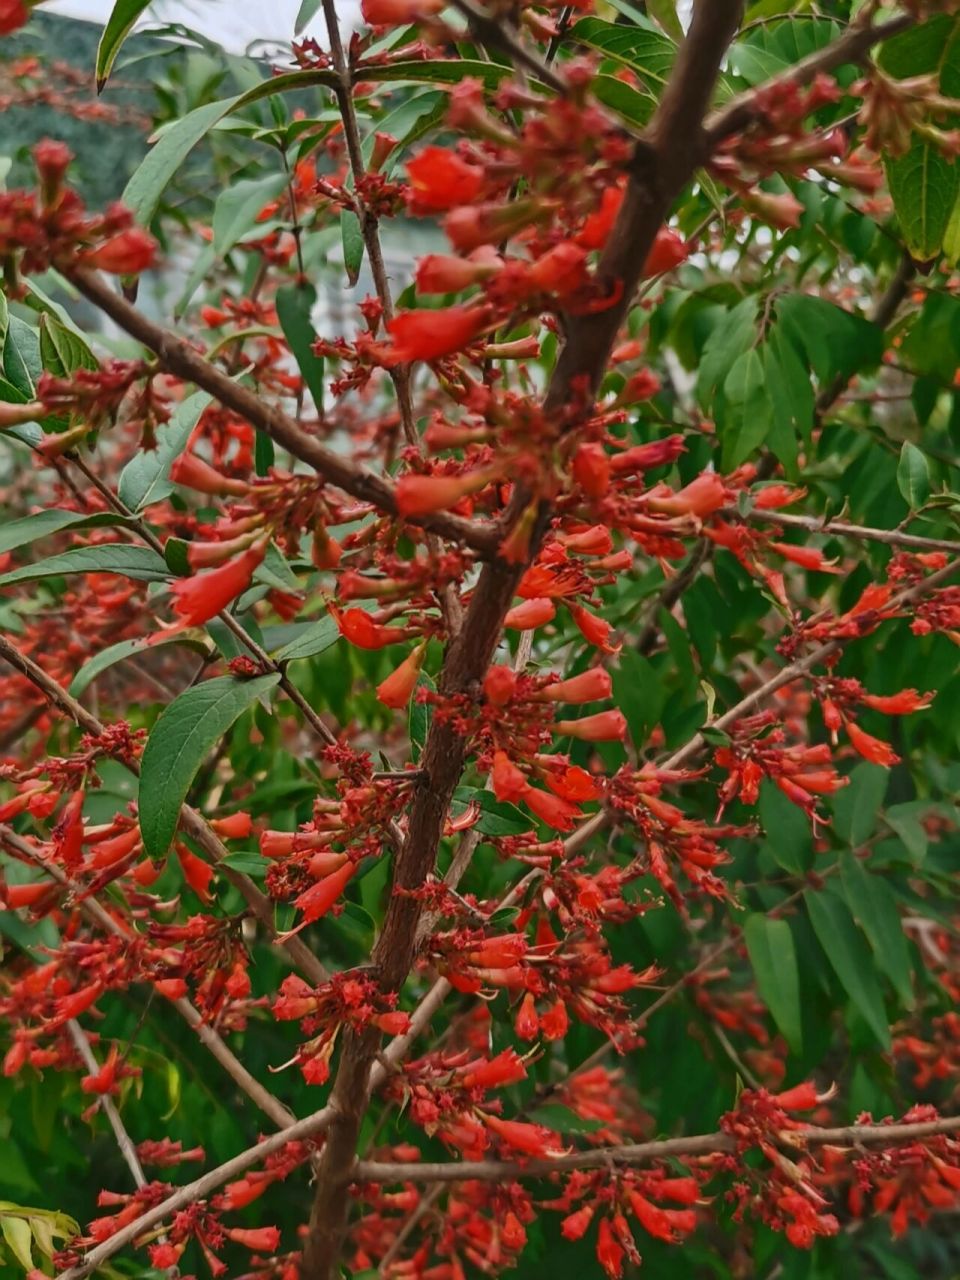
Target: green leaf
[(774, 959), (352, 238), (142, 193), (295, 305), (235, 212), (836, 343), (305, 14), (419, 715), (639, 693), (913, 476), (146, 477), (61, 350), (178, 744), (743, 417), (734, 332), (788, 835), (249, 862), (115, 653), (19, 1238), (22, 365), (497, 817), (856, 807), (846, 949), (644, 50), (27, 529), (924, 184), (874, 907), (141, 563), (320, 636), (665, 14), (119, 25)]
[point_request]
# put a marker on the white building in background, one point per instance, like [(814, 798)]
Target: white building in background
[(235, 24)]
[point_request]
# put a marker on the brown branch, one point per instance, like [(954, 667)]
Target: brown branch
[(181, 359), (210, 1039), (127, 1148), (852, 47), (853, 1135), (190, 821), (843, 529), (496, 34), (665, 160)]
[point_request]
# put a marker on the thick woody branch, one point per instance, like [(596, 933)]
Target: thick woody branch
[(666, 160), (181, 359), (854, 1135), (190, 821)]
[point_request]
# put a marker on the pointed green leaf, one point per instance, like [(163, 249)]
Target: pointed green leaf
[(305, 15), (27, 529), (61, 350), (178, 744), (846, 949), (141, 563), (319, 637), (913, 476), (146, 477), (115, 653), (874, 907), (235, 212), (295, 304), (119, 25), (352, 239), (17, 1234), (774, 959)]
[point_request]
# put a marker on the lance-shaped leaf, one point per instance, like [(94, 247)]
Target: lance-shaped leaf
[(846, 949), (178, 744), (774, 959), (141, 563)]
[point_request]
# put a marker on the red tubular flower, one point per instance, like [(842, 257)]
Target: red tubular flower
[(193, 473), (776, 495), (396, 690), (526, 1024), (806, 557), (552, 809), (13, 15), (575, 1225), (499, 685), (420, 495), (871, 748), (802, 1097), (669, 249), (530, 614), (595, 630), (200, 598), (444, 273), (531, 1139), (781, 211), (197, 873), (509, 782), (439, 178), (605, 726), (589, 686), (898, 704), (591, 469), (597, 227), (701, 497), (236, 826), (474, 225), (258, 1239), (26, 895), (506, 1068), (126, 254), (644, 457), (106, 852), (428, 335), (320, 897), (562, 270), (359, 628), (609, 1250)]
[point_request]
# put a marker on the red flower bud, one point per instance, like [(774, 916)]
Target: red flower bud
[(236, 826), (590, 686), (499, 685), (530, 614), (594, 629), (668, 251), (428, 335), (320, 897), (396, 690), (420, 495), (200, 598), (439, 178), (126, 254), (193, 473), (591, 469), (509, 782), (259, 1239)]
